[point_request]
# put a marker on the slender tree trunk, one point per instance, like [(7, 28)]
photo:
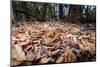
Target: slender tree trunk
[(13, 18), (61, 11)]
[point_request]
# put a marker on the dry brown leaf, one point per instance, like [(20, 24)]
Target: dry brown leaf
[(70, 42), (55, 52), (23, 43), (38, 55), (18, 53), (45, 60), (31, 56), (51, 37), (27, 47), (80, 44), (84, 43), (90, 48), (15, 62), (60, 59), (69, 56), (14, 39)]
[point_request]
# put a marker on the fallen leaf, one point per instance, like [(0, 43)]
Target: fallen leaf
[(15, 62), (69, 56), (55, 52), (38, 55), (18, 53), (59, 60), (45, 60), (30, 55)]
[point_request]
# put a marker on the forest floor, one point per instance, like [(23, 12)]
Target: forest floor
[(50, 43)]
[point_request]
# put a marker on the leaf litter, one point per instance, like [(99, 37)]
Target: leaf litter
[(39, 43)]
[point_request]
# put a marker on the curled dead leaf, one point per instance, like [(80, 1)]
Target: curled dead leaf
[(69, 56), (27, 47), (18, 53)]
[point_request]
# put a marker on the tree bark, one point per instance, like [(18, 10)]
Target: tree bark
[(60, 11)]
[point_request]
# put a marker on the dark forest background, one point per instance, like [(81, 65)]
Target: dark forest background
[(51, 12)]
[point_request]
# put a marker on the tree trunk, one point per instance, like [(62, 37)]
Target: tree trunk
[(61, 11), (74, 13), (13, 18)]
